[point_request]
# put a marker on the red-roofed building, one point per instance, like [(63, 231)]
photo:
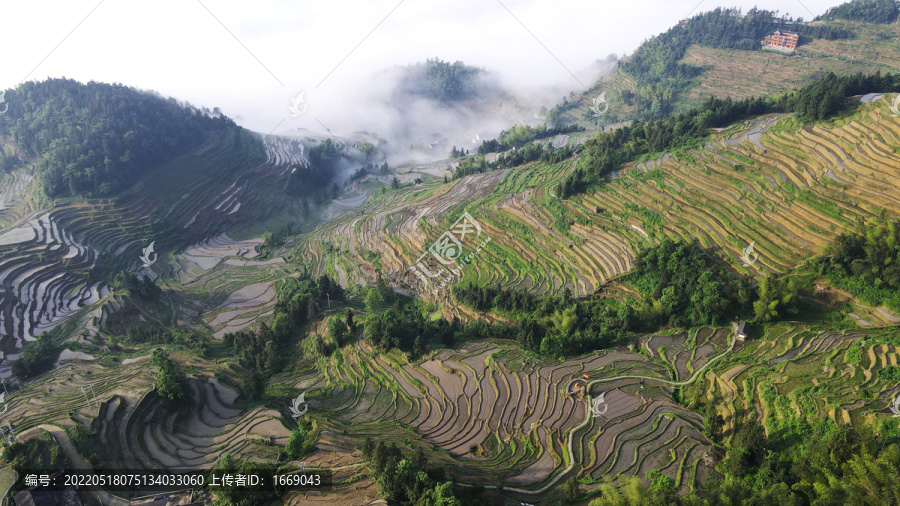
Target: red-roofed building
[(783, 41)]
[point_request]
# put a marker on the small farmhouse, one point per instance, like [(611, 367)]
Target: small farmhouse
[(740, 330)]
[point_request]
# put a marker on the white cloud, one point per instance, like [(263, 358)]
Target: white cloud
[(178, 48)]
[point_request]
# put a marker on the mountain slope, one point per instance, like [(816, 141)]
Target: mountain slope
[(788, 187), (179, 177), (725, 65)]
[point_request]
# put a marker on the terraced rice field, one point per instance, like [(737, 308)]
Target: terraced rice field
[(804, 360), (489, 407), (492, 411), (789, 189), (136, 429), (48, 257)]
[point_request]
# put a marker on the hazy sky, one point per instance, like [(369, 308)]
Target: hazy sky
[(252, 58)]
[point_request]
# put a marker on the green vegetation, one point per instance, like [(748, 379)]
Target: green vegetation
[(41, 452), (94, 139), (518, 136), (317, 180), (302, 440), (610, 150), (528, 153), (273, 240), (264, 351), (404, 326), (869, 11), (171, 381), (866, 265), (233, 496), (680, 287), (659, 75), (440, 80), (37, 357), (409, 480), (142, 287), (550, 325)]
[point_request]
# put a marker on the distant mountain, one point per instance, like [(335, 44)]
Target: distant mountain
[(443, 81)]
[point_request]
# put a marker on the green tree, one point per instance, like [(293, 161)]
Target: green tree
[(441, 495), (297, 445), (171, 382), (373, 300), (712, 421)]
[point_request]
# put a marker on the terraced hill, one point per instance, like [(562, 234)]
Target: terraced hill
[(486, 409), (786, 187), (519, 423), (53, 258)]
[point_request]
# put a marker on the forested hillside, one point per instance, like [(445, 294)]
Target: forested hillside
[(660, 76), (870, 11), (93, 139), (440, 80)]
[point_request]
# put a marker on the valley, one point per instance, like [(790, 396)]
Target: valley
[(665, 305)]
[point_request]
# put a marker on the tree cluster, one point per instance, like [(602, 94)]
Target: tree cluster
[(868, 264), (171, 381), (299, 443), (439, 80), (37, 357), (681, 287), (407, 480), (318, 178), (36, 453), (519, 135), (821, 99), (528, 153), (263, 351), (236, 496), (818, 463), (273, 240), (403, 326), (142, 287), (549, 325), (869, 11)]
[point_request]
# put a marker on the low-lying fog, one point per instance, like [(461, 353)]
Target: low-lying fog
[(253, 60)]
